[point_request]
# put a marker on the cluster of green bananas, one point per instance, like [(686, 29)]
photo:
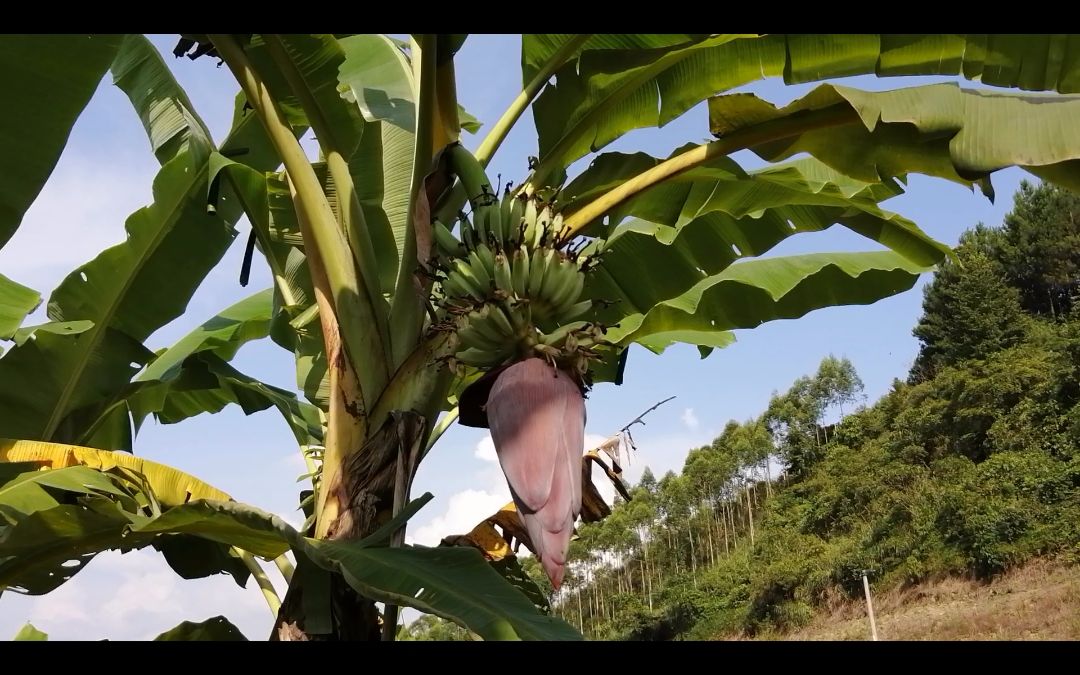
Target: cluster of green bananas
[(514, 285)]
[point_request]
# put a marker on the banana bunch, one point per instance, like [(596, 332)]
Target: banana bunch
[(513, 284)]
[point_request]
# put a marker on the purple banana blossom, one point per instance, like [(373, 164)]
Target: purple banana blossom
[(536, 414)]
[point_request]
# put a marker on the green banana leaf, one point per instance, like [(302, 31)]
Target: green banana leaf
[(47, 82), (940, 130), (131, 289), (606, 94), (538, 48), (689, 230), (217, 629), (318, 60), (377, 78), (57, 327), (749, 293), (30, 634), (165, 110), (442, 581), (206, 384), (16, 301), (223, 335)]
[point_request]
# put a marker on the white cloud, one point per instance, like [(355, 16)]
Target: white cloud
[(148, 593), (61, 607), (134, 596), (464, 511), (485, 450), (690, 419)]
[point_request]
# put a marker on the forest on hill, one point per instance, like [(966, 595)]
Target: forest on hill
[(968, 465)]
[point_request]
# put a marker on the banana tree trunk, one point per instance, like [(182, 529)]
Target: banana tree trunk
[(371, 487), (367, 481)]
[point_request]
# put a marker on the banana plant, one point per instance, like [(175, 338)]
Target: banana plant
[(413, 296)]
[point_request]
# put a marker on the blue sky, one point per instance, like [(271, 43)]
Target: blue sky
[(105, 174)]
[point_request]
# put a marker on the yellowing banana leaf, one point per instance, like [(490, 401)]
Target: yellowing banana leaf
[(47, 81), (496, 545), (53, 521), (940, 130), (171, 486)]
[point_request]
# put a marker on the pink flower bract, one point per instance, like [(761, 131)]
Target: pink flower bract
[(536, 414)]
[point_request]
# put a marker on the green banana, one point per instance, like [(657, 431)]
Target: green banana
[(498, 226), (506, 220), (537, 270), (451, 288), (444, 240), (468, 279), (517, 217), (467, 235), (556, 228), (559, 334), (503, 280), (519, 271), (559, 276), (543, 235), (551, 270), (474, 338), (577, 309), (483, 323), (487, 257), (481, 218), (501, 320), (531, 224), (570, 291), (479, 358), (480, 269)]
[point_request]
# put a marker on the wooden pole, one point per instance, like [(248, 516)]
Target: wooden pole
[(869, 606)]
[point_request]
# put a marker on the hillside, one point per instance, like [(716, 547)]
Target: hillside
[(1040, 601)]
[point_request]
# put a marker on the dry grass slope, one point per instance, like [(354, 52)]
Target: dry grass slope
[(1038, 602)]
